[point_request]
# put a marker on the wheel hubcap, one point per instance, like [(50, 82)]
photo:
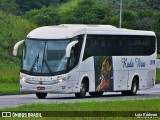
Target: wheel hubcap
[(134, 87), (82, 88)]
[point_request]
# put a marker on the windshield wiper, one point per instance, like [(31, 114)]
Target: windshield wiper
[(34, 63), (48, 67)]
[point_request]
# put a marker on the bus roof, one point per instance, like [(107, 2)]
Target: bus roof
[(65, 31)]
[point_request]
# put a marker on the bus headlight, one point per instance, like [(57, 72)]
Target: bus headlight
[(61, 79), (24, 79)]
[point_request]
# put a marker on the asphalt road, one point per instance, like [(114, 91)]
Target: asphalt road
[(158, 63), (18, 100)]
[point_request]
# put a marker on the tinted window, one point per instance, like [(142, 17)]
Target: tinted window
[(111, 45), (75, 52)]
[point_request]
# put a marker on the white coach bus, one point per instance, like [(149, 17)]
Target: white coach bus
[(87, 58)]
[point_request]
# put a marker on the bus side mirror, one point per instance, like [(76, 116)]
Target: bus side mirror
[(15, 49), (69, 47)]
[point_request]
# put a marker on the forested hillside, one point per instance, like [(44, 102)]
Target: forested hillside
[(19, 7), (18, 17), (137, 14), (12, 29)]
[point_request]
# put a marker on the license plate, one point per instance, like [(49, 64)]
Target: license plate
[(40, 88)]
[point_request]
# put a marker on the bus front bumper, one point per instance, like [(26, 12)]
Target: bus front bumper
[(63, 87)]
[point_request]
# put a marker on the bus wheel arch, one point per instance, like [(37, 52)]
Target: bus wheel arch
[(84, 87), (136, 78), (134, 87)]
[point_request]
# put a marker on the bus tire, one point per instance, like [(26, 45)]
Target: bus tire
[(83, 90), (41, 95), (96, 94), (133, 90)]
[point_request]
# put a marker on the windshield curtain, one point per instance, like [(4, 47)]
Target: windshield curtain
[(42, 56)]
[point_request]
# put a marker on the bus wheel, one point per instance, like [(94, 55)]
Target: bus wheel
[(96, 94), (83, 90), (41, 95), (133, 90)]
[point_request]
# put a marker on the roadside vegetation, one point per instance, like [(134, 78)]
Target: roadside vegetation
[(136, 14), (158, 75), (115, 105), (145, 105), (158, 56), (9, 78), (13, 29)]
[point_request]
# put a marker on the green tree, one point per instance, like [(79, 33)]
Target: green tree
[(9, 6), (27, 5), (128, 18), (42, 20), (44, 16), (88, 12), (145, 24)]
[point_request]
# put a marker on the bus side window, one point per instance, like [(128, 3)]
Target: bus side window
[(75, 52), (149, 45), (72, 58)]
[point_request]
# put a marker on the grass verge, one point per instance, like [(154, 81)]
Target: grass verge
[(8, 88), (120, 105), (9, 78), (158, 75)]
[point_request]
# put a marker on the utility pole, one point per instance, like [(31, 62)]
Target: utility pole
[(120, 17)]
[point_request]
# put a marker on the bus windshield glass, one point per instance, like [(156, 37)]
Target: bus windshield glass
[(44, 56)]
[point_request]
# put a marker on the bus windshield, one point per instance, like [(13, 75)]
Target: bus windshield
[(44, 56)]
